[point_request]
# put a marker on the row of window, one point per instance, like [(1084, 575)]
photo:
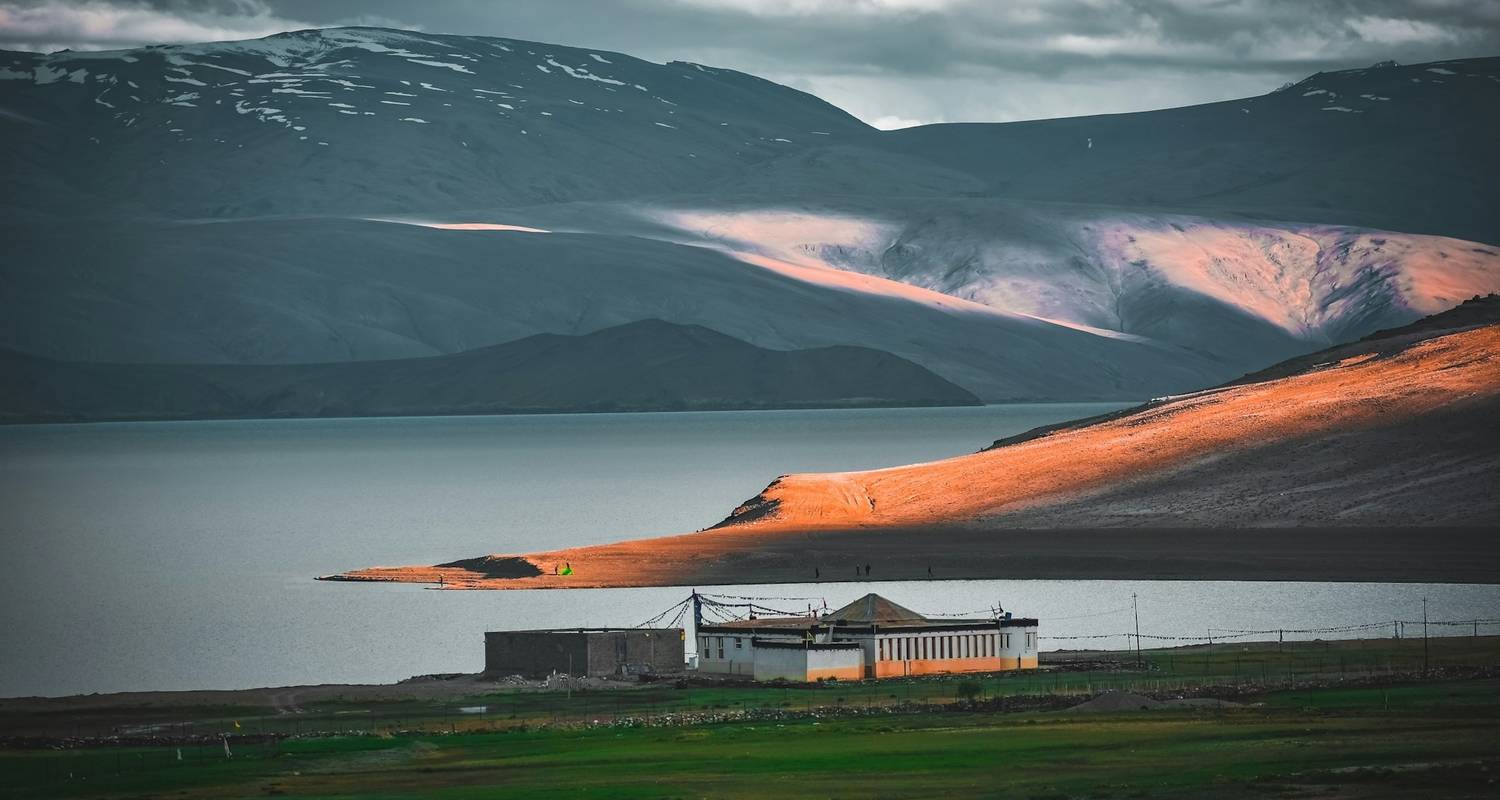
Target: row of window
[(708, 645), (960, 645)]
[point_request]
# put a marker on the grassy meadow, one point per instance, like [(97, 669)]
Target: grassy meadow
[(1321, 719)]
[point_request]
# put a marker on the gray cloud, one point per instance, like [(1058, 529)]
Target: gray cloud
[(887, 61), (101, 25)]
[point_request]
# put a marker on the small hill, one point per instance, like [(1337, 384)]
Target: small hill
[(1379, 464), (642, 366)]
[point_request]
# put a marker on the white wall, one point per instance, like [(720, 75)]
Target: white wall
[(784, 663), (737, 658), (795, 663), (1018, 643)]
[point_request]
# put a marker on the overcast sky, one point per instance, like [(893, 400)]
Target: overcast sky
[(890, 62)]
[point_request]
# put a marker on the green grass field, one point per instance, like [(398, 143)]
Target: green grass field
[(1351, 733)]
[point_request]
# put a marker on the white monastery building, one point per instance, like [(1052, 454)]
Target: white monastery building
[(871, 637)]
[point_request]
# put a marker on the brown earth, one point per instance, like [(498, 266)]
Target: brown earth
[(1377, 460)]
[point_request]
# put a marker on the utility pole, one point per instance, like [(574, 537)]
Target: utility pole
[(1425, 663), (1135, 607)]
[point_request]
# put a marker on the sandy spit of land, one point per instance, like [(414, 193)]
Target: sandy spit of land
[(1382, 463)]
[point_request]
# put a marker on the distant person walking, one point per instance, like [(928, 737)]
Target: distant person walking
[(817, 574), (867, 570), (929, 570)]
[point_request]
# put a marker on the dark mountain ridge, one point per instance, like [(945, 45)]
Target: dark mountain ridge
[(1405, 148), (642, 366)]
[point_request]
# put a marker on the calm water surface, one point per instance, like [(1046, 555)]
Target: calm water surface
[(180, 555)]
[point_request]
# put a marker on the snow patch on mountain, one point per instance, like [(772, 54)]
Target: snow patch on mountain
[(1102, 271), (776, 240), (462, 226)]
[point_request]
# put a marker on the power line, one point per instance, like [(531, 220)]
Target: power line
[(1120, 610), (748, 597)]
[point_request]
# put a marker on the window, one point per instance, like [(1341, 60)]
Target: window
[(721, 647), (1031, 641), (1005, 640), (737, 644)]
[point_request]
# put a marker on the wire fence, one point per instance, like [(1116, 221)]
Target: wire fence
[(723, 608), (1398, 629)]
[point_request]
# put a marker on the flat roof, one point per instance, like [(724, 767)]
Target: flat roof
[(800, 624), (590, 630), (805, 645)]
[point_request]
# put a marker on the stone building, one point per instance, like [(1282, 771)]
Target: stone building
[(595, 652)]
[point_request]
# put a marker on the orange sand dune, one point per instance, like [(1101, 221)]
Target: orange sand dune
[(1395, 419)]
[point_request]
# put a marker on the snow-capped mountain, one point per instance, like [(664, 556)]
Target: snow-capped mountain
[(362, 193), (365, 120)]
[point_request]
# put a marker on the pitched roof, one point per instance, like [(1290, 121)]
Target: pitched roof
[(874, 608)]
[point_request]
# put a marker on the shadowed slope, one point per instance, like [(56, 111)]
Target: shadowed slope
[(1354, 451)]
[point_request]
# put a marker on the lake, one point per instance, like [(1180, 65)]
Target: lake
[(180, 555)]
